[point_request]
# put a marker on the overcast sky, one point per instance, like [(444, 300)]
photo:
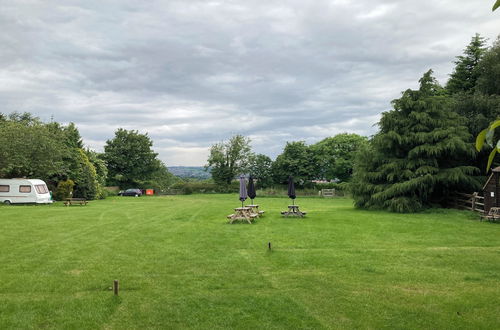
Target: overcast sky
[(192, 73)]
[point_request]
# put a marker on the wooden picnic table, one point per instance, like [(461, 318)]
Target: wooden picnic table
[(255, 209), (242, 213), (293, 211), (493, 214), (71, 201)]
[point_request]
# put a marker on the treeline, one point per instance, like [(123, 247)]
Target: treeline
[(55, 153), (424, 149), (331, 159)]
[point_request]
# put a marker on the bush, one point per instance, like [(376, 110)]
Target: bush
[(64, 190), (204, 187)]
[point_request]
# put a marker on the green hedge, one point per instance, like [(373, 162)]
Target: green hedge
[(202, 187)]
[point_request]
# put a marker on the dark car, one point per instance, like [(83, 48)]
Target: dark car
[(131, 192)]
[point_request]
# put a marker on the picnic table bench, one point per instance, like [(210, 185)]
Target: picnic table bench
[(493, 214), (71, 201), (242, 213), (255, 209), (293, 211)]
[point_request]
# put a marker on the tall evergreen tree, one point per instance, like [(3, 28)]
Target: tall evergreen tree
[(465, 74), (489, 71), (415, 159)]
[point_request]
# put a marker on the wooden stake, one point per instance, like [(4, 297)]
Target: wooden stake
[(116, 287), (269, 245)]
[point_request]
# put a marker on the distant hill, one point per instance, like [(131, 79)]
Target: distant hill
[(191, 172)]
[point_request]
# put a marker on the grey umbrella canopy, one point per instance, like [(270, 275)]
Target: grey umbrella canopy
[(251, 189), (243, 190), (291, 188)]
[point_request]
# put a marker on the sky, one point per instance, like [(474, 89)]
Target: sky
[(194, 73)]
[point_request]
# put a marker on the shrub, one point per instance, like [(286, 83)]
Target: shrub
[(64, 190)]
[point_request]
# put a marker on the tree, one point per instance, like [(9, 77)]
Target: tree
[(161, 179), (496, 5), (83, 173), (417, 156), (488, 69), (260, 167), (464, 76), (297, 161), (129, 157), (228, 159), (73, 138), (29, 149), (334, 156)]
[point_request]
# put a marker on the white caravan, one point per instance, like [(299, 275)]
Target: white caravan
[(14, 191)]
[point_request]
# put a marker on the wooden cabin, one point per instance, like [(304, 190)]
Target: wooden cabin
[(491, 190)]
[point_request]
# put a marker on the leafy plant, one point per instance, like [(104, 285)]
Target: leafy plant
[(487, 135)]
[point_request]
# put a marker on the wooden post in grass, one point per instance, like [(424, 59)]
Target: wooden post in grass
[(116, 287), (269, 245)]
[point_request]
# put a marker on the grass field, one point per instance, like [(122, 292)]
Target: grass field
[(181, 266)]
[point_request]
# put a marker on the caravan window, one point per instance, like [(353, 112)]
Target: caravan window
[(41, 189), (24, 189), (4, 188)]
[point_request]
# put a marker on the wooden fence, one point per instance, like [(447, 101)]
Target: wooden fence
[(472, 202)]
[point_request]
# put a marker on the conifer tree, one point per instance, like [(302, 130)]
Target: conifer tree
[(415, 159), (465, 74)]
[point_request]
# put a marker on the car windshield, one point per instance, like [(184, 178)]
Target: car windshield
[(131, 190)]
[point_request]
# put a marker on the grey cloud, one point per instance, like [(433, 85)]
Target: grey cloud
[(191, 73)]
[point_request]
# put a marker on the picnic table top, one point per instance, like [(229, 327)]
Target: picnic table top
[(242, 209)]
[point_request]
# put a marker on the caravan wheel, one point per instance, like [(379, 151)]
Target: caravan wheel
[(6, 202)]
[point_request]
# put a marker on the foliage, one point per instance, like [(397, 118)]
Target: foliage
[(260, 167), (72, 136), (488, 81), (415, 159), (334, 156), (205, 187), (228, 159), (28, 148), (496, 5), (130, 158), (464, 77), (99, 164), (160, 179), (295, 160), (84, 175), (64, 190), (483, 107), (487, 135)]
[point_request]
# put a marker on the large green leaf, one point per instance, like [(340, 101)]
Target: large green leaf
[(490, 159), (480, 139), (494, 124), (490, 134), (496, 5)]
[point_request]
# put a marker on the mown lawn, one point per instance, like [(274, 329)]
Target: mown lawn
[(181, 266)]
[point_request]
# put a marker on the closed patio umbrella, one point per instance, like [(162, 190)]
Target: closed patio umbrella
[(251, 189), (243, 190), (291, 189)]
